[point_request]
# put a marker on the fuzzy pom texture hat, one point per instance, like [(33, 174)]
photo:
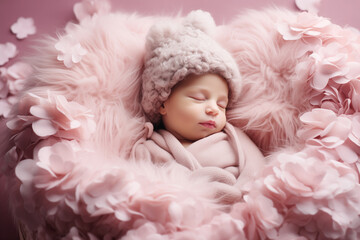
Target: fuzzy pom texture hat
[(178, 49)]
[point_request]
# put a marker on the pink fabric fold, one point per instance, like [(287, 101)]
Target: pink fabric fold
[(217, 150), (230, 150)]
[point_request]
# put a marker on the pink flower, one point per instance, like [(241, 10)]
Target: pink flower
[(74, 234), (147, 231), (259, 214), (341, 99), (355, 132), (332, 63), (88, 8), (334, 99), (346, 36), (307, 26), (10, 160), (354, 95), (316, 195), (122, 196), (16, 76), (55, 164), (171, 207), (109, 194), (311, 6), (338, 135), (6, 106), (302, 179), (58, 159), (7, 51), (52, 179), (12, 81), (324, 128), (53, 116), (222, 226), (70, 50), (289, 231), (23, 27), (4, 88)]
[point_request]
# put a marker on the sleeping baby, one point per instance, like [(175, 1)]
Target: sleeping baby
[(189, 81)]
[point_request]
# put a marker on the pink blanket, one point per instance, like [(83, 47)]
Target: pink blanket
[(228, 157)]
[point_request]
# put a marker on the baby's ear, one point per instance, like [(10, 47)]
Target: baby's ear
[(162, 109)]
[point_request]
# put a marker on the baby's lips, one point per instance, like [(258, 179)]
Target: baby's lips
[(208, 124)]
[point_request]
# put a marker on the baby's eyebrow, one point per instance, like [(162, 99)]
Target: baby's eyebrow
[(204, 90), (225, 97), (198, 90)]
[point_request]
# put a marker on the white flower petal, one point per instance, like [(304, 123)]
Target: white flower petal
[(347, 154), (23, 27), (43, 128), (7, 51), (308, 5), (39, 112)]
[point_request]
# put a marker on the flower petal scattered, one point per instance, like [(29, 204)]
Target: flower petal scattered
[(70, 50), (4, 88), (331, 62), (16, 76), (12, 82), (5, 108), (337, 135), (54, 174), (308, 5), (324, 128), (53, 116), (87, 8), (320, 195), (307, 27), (7, 51), (23, 27)]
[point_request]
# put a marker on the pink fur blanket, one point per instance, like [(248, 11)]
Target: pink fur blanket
[(66, 147)]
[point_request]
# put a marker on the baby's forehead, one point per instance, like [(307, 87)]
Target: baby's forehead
[(210, 82)]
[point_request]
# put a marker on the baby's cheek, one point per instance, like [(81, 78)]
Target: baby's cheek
[(223, 120), (191, 108), (189, 115), (183, 112)]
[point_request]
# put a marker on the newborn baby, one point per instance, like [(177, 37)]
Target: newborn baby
[(189, 81)]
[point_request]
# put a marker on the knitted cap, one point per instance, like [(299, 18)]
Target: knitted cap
[(176, 50)]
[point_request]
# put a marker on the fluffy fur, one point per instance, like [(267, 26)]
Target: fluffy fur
[(107, 80), (271, 102)]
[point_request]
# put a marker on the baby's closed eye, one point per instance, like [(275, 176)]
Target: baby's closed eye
[(198, 96), (222, 104)]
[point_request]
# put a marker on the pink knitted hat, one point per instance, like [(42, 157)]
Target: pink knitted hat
[(175, 50)]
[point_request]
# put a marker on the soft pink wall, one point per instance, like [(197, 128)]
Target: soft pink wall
[(52, 15)]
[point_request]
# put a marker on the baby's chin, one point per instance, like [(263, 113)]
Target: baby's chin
[(201, 136)]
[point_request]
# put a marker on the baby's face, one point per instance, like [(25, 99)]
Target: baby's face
[(196, 107)]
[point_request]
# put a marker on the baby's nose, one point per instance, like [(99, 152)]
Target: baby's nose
[(212, 109)]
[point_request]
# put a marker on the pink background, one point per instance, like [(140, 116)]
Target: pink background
[(52, 15)]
